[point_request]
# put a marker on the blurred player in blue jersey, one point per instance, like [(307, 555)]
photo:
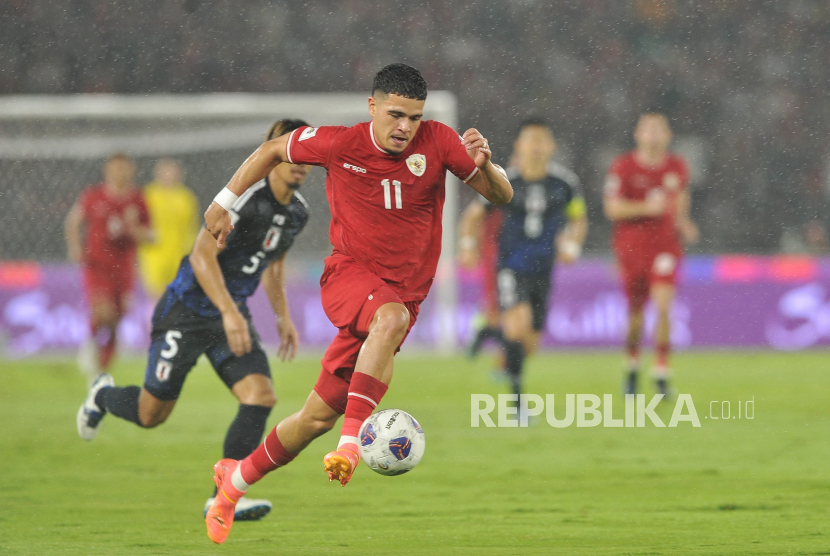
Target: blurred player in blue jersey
[(204, 311), (545, 222)]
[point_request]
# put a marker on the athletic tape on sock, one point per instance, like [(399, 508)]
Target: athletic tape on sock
[(237, 481), (348, 440)]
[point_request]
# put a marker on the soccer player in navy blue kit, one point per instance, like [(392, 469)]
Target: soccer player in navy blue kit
[(204, 311), (545, 222)]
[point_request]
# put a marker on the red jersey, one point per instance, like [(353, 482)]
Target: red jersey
[(628, 180), (386, 208), (108, 245)]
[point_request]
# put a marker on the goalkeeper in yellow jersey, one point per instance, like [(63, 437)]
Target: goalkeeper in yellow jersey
[(174, 211)]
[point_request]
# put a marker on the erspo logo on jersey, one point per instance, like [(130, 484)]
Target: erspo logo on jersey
[(354, 168)]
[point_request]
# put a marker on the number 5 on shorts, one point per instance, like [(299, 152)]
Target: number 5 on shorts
[(172, 345)]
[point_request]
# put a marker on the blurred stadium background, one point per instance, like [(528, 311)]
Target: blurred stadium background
[(744, 83), (740, 81)]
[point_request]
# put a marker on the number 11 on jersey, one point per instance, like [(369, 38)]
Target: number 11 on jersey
[(387, 194)]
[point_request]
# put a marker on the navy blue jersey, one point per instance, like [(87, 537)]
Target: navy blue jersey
[(531, 221), (263, 232)]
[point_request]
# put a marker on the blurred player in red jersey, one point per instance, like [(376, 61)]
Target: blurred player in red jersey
[(116, 220), (479, 243), (385, 186), (647, 200)]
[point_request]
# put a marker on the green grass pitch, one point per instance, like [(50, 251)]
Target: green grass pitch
[(757, 486)]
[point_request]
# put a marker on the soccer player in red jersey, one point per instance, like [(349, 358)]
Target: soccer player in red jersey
[(116, 220), (647, 200), (385, 186)]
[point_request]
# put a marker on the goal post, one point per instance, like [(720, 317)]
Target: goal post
[(52, 146)]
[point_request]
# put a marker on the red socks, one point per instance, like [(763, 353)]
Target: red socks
[(365, 393), (268, 456)]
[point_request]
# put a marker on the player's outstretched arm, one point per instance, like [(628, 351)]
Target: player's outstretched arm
[(570, 241), (72, 232), (491, 180), (273, 282), (617, 208), (254, 169), (208, 273)]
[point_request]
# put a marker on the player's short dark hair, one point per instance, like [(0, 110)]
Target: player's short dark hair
[(281, 127), (401, 80)]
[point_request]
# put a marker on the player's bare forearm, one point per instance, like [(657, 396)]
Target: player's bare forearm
[(259, 164), (685, 225), (491, 180), (273, 282), (577, 230), (72, 232), (255, 168), (492, 183), (208, 273), (569, 242), (621, 209)]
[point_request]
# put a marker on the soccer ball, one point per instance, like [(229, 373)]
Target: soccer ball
[(391, 442)]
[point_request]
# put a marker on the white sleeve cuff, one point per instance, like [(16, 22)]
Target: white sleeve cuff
[(473, 173)]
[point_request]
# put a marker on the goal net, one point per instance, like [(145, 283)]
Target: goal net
[(51, 147)]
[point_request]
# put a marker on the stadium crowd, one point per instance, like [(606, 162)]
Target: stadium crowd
[(741, 81)]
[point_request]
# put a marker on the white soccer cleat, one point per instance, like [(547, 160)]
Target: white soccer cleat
[(247, 509), (90, 415)]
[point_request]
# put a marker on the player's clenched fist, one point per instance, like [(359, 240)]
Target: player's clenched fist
[(218, 223), (477, 147)]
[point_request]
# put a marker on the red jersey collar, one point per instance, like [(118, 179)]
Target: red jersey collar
[(408, 148)]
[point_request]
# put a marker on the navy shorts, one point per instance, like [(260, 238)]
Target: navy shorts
[(518, 287), (180, 336)]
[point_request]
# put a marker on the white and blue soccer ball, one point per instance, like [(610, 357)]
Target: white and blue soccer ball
[(391, 442)]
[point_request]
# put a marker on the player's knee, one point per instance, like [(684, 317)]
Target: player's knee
[(151, 420), (255, 389), (264, 397), (392, 322)]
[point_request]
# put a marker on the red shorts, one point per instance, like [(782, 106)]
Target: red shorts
[(644, 265), (114, 286), (351, 294)]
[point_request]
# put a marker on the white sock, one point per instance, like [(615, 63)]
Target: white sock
[(237, 481), (348, 440)]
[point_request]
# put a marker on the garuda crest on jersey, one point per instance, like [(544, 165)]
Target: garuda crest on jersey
[(417, 164)]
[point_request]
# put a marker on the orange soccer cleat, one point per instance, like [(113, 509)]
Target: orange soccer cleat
[(219, 518), (340, 464)]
